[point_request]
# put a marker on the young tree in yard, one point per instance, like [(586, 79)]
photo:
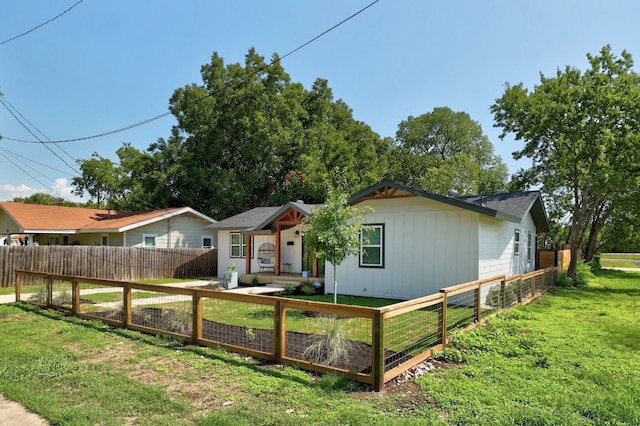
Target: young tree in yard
[(582, 132), (334, 232)]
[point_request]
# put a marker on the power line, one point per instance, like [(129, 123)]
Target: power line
[(16, 155), (41, 25), (4, 104), (244, 79)]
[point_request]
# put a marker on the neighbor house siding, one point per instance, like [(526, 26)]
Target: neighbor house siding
[(428, 245), (185, 232)]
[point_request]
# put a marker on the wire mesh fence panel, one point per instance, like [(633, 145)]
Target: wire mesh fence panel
[(461, 310), (331, 340), (162, 311), (511, 293), (410, 334), (526, 288), (101, 301), (539, 280), (61, 294), (35, 292), (490, 297), (242, 324)]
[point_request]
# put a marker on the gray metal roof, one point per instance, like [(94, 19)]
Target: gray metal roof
[(507, 206), (245, 220)]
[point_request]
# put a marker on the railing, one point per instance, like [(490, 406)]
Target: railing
[(371, 345)]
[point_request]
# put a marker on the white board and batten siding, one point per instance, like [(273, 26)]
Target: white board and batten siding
[(427, 246), (497, 247), (179, 231)]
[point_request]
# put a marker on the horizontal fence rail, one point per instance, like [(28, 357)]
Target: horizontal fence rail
[(116, 263), (370, 345)]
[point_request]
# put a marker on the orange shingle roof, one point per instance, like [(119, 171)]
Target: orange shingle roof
[(44, 217)]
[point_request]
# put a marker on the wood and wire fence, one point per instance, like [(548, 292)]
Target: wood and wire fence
[(370, 345), (116, 263)]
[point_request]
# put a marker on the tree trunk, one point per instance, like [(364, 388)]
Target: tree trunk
[(335, 285)]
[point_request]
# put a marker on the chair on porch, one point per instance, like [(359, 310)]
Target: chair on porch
[(267, 257)]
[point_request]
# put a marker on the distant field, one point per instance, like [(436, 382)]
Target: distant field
[(620, 260)]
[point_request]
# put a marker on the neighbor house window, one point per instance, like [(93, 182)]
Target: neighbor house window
[(207, 241), (104, 240), (149, 240), (238, 245), (529, 246), (516, 243), (372, 246)]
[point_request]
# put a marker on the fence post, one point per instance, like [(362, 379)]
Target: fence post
[(442, 320), (377, 369), (75, 298), (543, 287), (126, 306), (49, 284), (196, 318), (503, 293), (18, 285), (280, 330), (520, 291), (477, 303)]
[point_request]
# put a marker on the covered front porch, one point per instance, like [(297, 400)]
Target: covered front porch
[(280, 250)]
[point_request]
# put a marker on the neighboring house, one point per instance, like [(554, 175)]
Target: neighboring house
[(419, 242), (56, 225), (266, 239)]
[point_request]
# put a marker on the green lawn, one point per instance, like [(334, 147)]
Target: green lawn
[(620, 260), (570, 359)]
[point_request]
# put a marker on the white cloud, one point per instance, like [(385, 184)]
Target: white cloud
[(60, 188)]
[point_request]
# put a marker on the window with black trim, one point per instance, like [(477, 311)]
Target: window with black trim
[(207, 241), (516, 243), (238, 245), (529, 246), (372, 246)]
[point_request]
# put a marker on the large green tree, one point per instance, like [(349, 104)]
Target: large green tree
[(445, 150), (581, 131), (100, 179)]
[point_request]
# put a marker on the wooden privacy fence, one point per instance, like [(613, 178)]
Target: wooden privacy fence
[(117, 263), (371, 345)]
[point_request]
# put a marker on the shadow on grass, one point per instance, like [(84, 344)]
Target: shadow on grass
[(328, 383)]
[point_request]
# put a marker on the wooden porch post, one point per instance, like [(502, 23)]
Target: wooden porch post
[(248, 257), (278, 230), (314, 265)]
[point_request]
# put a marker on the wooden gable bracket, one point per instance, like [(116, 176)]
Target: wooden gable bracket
[(386, 192)]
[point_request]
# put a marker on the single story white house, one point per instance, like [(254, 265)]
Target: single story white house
[(419, 242), (416, 242)]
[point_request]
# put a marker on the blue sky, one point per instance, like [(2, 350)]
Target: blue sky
[(107, 64)]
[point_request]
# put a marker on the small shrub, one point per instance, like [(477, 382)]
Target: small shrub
[(251, 335), (255, 280), (308, 289), (564, 281), (595, 264), (449, 355), (583, 275), (288, 289), (62, 298), (40, 296), (494, 296), (178, 320), (331, 346)]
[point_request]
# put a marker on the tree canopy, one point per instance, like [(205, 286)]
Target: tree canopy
[(445, 150), (582, 133)]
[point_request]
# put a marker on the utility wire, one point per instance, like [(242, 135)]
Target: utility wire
[(244, 79), (16, 155), (4, 104), (4, 98), (30, 175), (41, 25)]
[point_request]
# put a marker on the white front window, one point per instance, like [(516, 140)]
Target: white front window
[(516, 243), (238, 245), (149, 240), (207, 241), (372, 246)]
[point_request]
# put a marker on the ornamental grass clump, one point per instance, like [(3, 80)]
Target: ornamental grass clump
[(332, 345)]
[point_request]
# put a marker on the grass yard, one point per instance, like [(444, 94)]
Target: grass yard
[(620, 260), (571, 358)]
